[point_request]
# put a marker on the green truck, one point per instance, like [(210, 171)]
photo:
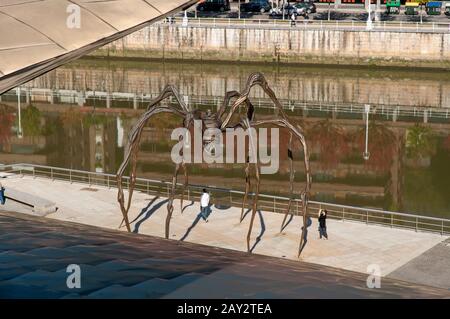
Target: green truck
[(393, 6)]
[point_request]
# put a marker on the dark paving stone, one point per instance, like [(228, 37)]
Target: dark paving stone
[(430, 268), (35, 253)]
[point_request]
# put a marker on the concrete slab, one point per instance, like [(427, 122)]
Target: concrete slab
[(351, 245), (432, 268), (24, 202)]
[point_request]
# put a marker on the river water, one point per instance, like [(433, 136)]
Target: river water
[(408, 168)]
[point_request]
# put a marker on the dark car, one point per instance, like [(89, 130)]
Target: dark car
[(214, 5), (256, 6), (309, 7)]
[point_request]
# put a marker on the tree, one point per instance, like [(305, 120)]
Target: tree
[(420, 142), (6, 122), (31, 121)]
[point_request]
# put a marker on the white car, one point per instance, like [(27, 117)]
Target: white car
[(301, 11), (288, 10)]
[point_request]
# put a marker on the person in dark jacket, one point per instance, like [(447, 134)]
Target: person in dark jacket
[(2, 194), (323, 224)]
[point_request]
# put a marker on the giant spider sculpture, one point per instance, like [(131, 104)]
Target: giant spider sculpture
[(220, 120)]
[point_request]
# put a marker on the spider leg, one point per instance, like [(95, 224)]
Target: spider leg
[(171, 197), (132, 147), (228, 96), (255, 206), (247, 188), (252, 146), (297, 133), (259, 80), (185, 184), (291, 181), (131, 183), (187, 122)]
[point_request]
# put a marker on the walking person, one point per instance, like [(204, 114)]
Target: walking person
[(323, 223), (204, 205), (293, 17)]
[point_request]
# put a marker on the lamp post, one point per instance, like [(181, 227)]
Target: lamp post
[(185, 19), (239, 9), (19, 131), (377, 11), (366, 153), (369, 25), (420, 12), (329, 6)]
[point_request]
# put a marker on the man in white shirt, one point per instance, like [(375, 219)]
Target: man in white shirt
[(204, 205)]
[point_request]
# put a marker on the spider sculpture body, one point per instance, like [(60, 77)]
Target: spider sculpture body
[(220, 120)]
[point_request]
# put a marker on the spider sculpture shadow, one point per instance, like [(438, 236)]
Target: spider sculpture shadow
[(220, 120)]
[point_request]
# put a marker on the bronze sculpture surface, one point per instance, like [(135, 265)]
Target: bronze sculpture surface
[(220, 120)]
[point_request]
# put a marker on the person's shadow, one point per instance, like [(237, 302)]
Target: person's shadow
[(305, 239), (195, 222), (148, 212)]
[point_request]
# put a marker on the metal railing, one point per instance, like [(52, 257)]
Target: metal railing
[(345, 25), (229, 197), (98, 98)]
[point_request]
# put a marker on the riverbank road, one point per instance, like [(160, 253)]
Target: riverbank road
[(324, 11), (351, 245), (302, 24)]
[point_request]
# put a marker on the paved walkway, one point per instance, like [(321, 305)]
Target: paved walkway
[(352, 246)]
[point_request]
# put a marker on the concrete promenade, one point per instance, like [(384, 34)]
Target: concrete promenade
[(351, 246)]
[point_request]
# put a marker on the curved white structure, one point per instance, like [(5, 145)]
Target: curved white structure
[(39, 35)]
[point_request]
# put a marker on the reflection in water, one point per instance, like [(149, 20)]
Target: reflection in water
[(6, 121), (308, 84), (382, 141), (407, 171), (330, 141), (420, 144)]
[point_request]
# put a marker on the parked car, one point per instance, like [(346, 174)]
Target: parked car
[(412, 8), (214, 5), (256, 6), (393, 6), (287, 9), (434, 8), (447, 9), (309, 7)]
